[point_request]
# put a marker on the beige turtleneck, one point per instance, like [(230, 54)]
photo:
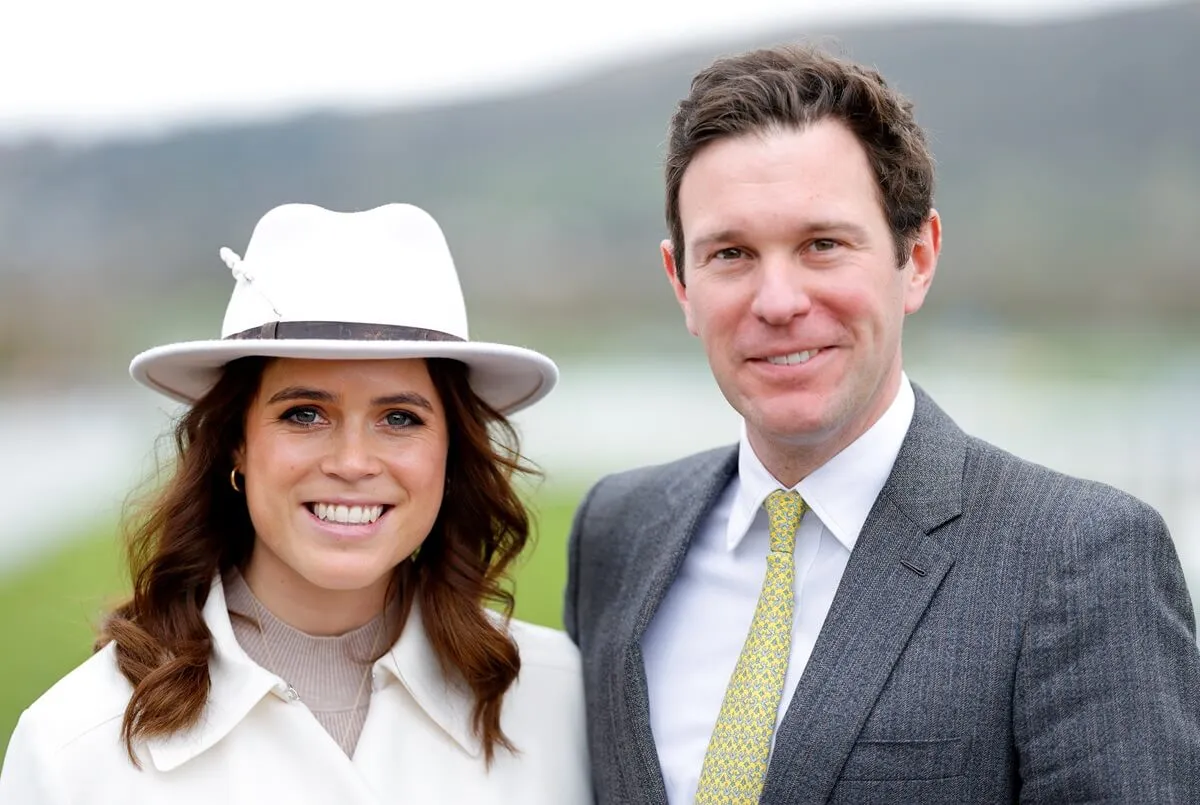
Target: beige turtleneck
[(332, 675)]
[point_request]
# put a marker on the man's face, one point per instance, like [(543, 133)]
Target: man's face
[(792, 284)]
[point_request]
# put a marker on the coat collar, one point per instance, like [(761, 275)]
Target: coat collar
[(238, 684), (444, 698), (926, 483)]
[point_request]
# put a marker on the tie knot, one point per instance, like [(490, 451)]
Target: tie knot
[(784, 510)]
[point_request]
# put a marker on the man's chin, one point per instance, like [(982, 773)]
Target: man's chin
[(799, 427)]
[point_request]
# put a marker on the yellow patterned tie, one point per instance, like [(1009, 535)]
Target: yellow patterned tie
[(735, 764)]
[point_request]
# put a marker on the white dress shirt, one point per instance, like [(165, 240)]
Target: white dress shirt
[(693, 643)]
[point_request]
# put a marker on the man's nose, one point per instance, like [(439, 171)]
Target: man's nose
[(782, 292)]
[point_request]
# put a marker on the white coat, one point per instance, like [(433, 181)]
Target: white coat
[(253, 745)]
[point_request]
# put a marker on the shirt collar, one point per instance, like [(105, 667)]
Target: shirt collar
[(238, 684), (840, 492)]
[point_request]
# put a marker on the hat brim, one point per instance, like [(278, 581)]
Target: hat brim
[(508, 378)]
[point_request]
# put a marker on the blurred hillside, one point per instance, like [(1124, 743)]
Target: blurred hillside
[(1069, 159)]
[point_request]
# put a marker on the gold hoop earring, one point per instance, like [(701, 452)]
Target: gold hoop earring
[(233, 480)]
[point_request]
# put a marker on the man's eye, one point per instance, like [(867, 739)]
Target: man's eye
[(731, 253), (824, 245)]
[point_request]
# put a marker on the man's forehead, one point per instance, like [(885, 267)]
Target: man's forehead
[(743, 183)]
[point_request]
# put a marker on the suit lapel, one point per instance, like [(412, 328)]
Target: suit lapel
[(660, 547), (687, 500), (896, 567)]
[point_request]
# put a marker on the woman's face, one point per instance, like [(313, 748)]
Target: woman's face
[(345, 468)]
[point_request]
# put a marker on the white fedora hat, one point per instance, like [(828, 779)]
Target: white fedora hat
[(347, 285)]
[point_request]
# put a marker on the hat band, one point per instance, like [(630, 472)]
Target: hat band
[(340, 331)]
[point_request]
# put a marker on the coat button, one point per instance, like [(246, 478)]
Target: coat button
[(291, 695)]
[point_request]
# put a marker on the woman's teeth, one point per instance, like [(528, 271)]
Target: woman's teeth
[(348, 515)]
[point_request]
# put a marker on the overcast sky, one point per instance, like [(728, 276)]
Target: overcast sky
[(81, 68)]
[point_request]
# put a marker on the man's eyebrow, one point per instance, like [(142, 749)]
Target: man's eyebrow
[(852, 229), (733, 235), (722, 236)]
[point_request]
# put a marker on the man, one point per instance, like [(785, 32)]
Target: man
[(947, 623)]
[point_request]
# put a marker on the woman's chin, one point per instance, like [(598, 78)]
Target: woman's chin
[(349, 576)]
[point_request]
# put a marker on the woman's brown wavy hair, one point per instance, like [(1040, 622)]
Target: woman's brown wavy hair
[(196, 526)]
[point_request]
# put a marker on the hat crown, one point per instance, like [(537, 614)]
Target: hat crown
[(389, 265)]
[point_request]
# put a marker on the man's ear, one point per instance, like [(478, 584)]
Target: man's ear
[(922, 263), (673, 274)]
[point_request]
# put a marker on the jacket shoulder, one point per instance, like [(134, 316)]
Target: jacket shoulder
[(653, 480), (998, 485), (91, 696), (1039, 488)]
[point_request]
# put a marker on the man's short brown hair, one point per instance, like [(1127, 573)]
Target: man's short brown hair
[(792, 87)]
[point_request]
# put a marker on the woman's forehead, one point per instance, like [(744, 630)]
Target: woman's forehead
[(348, 377)]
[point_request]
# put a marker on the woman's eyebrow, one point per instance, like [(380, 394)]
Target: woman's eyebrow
[(404, 398), (293, 393), (301, 393)]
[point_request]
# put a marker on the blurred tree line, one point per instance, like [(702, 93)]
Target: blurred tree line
[(1069, 182)]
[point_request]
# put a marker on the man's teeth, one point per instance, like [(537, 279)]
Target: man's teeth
[(351, 515), (795, 357)]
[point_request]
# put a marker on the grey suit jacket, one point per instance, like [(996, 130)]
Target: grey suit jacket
[(1002, 633)]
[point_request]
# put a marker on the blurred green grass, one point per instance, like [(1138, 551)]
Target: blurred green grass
[(49, 610)]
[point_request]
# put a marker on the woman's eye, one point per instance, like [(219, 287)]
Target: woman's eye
[(302, 416), (401, 419)]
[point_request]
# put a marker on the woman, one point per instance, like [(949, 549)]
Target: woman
[(308, 618)]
